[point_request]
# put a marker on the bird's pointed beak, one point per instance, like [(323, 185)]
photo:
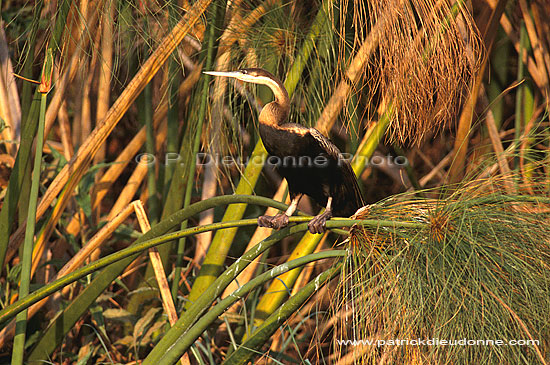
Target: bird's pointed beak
[(233, 74)]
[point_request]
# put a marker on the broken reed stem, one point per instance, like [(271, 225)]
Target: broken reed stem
[(160, 275), (94, 243)]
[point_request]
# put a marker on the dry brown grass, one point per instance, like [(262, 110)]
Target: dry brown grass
[(425, 62)]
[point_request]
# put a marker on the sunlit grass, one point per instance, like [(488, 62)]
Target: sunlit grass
[(380, 78)]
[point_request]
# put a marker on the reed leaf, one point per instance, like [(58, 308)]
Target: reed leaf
[(63, 323), (254, 343), (186, 335)]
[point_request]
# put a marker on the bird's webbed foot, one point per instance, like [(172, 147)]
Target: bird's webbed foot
[(318, 223), (277, 222)]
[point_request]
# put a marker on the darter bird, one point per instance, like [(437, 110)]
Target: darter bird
[(310, 162)]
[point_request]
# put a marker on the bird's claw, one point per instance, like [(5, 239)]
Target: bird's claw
[(277, 222), (318, 223)]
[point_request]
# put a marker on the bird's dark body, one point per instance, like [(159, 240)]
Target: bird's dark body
[(312, 165)]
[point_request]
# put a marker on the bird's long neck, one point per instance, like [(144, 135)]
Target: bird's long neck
[(275, 113)]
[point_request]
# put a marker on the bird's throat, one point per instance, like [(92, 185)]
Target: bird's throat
[(274, 114)]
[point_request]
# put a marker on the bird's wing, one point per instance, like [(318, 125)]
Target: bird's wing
[(349, 177), (326, 144)]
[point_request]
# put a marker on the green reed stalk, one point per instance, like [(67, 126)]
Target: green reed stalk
[(21, 319)]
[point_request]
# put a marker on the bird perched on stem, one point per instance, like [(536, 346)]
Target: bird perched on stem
[(309, 161)]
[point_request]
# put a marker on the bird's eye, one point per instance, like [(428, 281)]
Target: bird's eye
[(243, 71)]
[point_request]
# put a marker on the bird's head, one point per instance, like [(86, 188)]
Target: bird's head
[(251, 75), (258, 76)]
